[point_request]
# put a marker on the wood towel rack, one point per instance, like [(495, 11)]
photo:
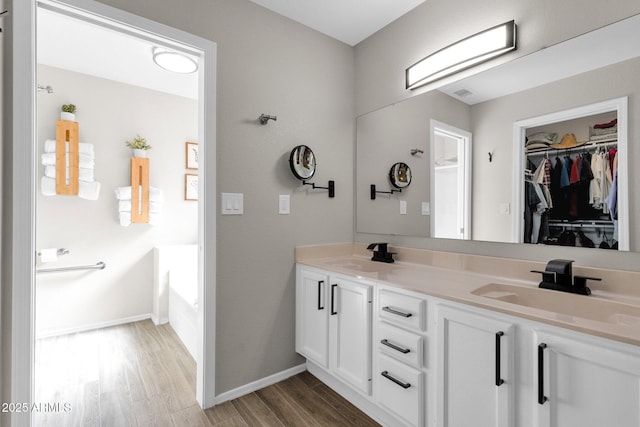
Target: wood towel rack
[(67, 133), (139, 190)]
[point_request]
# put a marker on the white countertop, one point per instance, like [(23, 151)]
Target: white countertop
[(616, 314)]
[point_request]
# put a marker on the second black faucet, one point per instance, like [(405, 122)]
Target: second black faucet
[(382, 254)]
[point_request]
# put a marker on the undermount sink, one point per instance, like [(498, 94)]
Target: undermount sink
[(563, 304), (363, 265)]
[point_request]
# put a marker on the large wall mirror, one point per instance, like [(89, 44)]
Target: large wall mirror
[(575, 74)]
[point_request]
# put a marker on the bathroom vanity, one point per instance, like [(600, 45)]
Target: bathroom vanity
[(444, 339)]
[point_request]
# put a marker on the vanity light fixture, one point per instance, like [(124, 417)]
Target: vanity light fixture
[(463, 54), (174, 61)]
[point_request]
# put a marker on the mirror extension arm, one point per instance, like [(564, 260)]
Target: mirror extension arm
[(331, 187), (374, 191)]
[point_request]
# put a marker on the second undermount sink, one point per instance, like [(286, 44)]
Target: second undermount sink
[(563, 304), (363, 265)]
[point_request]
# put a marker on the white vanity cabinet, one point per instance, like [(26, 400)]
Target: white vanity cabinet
[(400, 359), (557, 377), (333, 324), (475, 369), (585, 381)]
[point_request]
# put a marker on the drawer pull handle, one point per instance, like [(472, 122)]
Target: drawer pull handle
[(499, 380), (395, 380), (396, 312), (333, 300), (395, 347), (541, 397), (320, 283)]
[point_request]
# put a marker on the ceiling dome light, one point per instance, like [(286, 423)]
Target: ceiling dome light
[(174, 61)]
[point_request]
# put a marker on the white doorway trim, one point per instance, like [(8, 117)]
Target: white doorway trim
[(464, 155), (620, 105), (19, 188)]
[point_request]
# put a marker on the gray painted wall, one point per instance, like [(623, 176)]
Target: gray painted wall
[(110, 113), (269, 64)]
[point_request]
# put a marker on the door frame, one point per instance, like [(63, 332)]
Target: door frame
[(19, 188), (620, 106), (465, 138)]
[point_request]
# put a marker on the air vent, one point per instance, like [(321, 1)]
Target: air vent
[(462, 93)]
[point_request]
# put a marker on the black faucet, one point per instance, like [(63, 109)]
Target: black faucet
[(558, 276), (381, 254)]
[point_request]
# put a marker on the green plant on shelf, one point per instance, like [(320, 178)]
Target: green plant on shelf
[(138, 143), (69, 108)]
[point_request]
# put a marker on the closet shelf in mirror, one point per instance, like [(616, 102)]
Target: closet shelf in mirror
[(585, 147), (581, 223)]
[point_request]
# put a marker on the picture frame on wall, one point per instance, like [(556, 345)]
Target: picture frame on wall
[(192, 155), (190, 187)]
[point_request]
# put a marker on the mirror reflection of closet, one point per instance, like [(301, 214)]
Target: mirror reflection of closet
[(570, 183)]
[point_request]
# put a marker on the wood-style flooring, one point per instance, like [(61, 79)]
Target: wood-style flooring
[(140, 374)]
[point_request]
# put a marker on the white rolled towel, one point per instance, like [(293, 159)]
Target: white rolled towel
[(125, 219), (84, 174), (89, 190), (155, 195), (84, 160), (86, 190), (125, 206), (124, 193), (48, 186), (83, 148)]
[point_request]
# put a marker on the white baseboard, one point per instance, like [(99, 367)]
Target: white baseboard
[(159, 321), (47, 333), (261, 383)]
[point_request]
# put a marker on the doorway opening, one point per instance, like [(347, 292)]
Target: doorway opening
[(450, 181), (27, 174)]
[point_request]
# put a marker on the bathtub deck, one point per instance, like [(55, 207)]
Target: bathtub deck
[(141, 374)]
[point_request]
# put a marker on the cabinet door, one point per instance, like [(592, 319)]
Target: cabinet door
[(475, 370), (312, 319), (591, 382), (350, 320)]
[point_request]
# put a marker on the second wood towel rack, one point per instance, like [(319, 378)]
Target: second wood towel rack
[(139, 190)]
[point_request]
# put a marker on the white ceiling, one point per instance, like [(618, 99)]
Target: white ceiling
[(350, 21), (101, 52)]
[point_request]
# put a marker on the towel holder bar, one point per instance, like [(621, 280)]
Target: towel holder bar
[(98, 266)]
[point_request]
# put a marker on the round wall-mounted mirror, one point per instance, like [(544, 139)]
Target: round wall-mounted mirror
[(302, 162), (400, 175)]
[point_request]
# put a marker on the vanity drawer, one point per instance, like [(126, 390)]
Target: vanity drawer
[(401, 309), (400, 390), (400, 344)]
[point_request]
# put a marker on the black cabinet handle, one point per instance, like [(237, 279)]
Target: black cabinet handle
[(333, 297), (395, 380), (395, 347), (320, 283), (541, 397), (396, 312), (499, 380)]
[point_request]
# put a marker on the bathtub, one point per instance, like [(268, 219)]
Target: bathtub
[(176, 298)]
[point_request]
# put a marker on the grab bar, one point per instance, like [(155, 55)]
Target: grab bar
[(99, 266)]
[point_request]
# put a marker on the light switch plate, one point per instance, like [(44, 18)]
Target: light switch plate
[(284, 204), (403, 207), (232, 204), (426, 208)]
